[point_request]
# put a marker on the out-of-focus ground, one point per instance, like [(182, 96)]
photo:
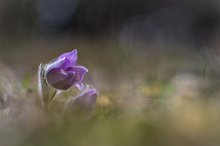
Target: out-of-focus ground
[(165, 97), (156, 69)]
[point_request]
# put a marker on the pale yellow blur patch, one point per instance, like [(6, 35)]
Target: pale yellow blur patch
[(103, 101), (152, 90)]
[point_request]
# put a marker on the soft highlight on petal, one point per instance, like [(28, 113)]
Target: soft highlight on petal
[(55, 64), (79, 85), (71, 56)]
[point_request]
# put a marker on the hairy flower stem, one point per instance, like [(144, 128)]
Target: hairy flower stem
[(46, 91)]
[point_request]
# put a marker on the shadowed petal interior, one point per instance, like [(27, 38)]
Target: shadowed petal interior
[(56, 75)]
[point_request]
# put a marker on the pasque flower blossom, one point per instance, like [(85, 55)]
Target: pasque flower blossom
[(63, 72), (60, 74), (84, 102)]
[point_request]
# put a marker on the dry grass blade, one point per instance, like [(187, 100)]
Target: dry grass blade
[(10, 90)]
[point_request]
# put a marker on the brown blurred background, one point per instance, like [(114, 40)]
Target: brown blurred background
[(155, 63), (35, 28), (190, 21)]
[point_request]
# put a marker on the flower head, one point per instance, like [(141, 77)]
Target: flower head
[(63, 72), (85, 102)]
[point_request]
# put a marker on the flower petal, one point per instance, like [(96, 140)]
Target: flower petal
[(79, 71), (79, 85), (66, 83), (71, 56), (56, 64), (56, 75), (91, 95), (84, 102), (88, 98)]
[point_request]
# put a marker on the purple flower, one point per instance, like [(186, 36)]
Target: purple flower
[(63, 72), (85, 102)]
